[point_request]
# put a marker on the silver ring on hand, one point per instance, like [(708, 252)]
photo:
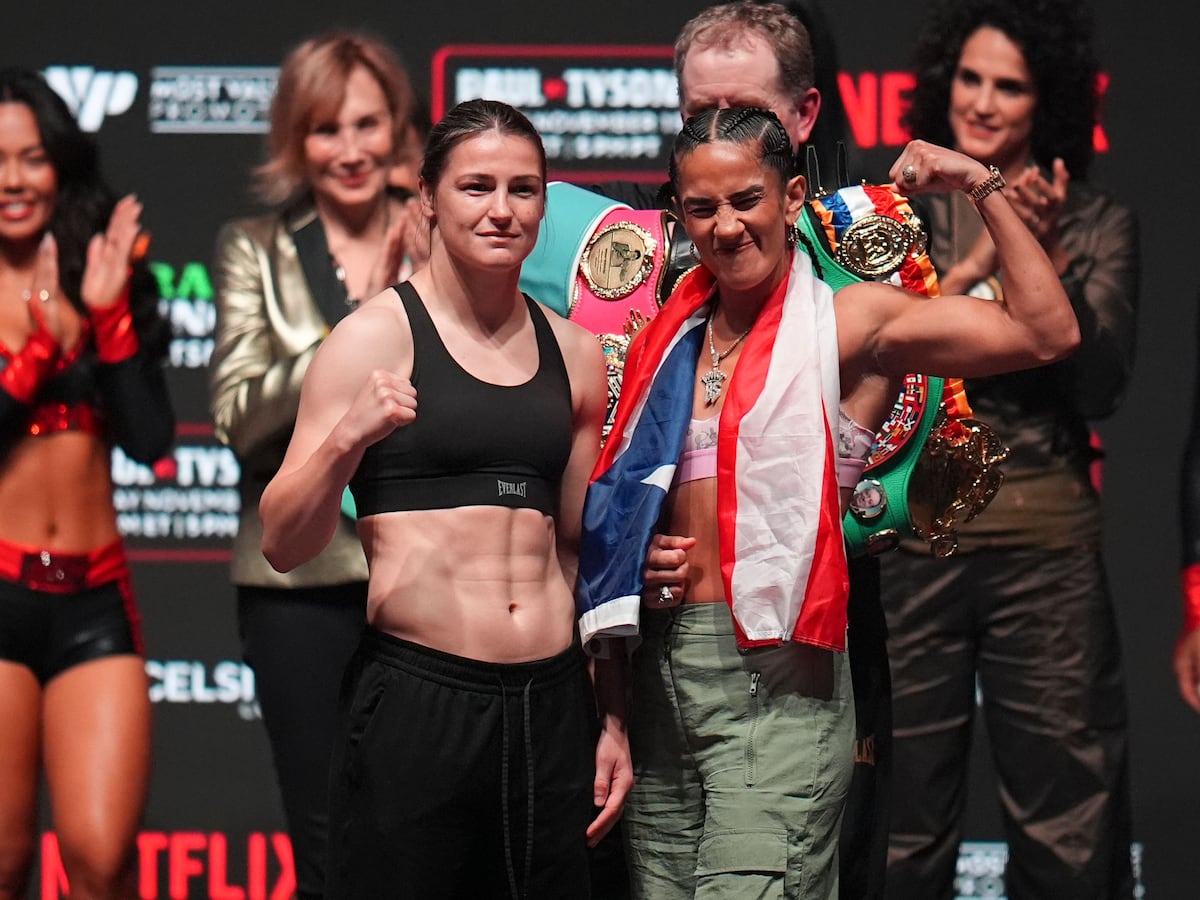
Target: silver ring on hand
[(909, 174), (665, 597), (43, 295)]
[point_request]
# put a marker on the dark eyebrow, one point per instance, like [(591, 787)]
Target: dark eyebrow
[(749, 193)]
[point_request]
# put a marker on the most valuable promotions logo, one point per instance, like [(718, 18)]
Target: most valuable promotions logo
[(92, 95), (211, 99), (604, 112)]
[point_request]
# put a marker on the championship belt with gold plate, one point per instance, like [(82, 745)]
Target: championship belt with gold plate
[(601, 264), (932, 467)]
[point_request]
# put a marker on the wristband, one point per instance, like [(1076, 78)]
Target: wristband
[(27, 368), (116, 340), (1190, 578)]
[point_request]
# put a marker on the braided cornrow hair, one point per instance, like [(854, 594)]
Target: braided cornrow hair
[(744, 125)]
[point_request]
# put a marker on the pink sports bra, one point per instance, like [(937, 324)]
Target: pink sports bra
[(699, 457), (854, 446)]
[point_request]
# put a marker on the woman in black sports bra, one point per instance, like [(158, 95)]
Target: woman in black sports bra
[(466, 419)]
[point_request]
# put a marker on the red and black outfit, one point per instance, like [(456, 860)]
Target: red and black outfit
[(58, 610)]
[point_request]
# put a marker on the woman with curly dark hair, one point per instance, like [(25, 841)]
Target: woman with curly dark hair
[(1024, 609), (81, 344)]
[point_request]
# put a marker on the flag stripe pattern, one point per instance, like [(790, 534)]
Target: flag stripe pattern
[(779, 524)]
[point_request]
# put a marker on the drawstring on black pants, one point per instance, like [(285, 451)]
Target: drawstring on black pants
[(529, 775)]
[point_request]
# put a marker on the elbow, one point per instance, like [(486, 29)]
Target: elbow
[(279, 551), (1062, 341), (278, 557)]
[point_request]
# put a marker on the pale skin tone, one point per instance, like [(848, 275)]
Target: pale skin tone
[(349, 156), (745, 72), (487, 583), (88, 727), (735, 210)]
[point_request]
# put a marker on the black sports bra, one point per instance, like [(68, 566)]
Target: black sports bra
[(472, 443)]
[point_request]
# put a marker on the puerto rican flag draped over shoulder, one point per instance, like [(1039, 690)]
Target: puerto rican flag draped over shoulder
[(783, 559)]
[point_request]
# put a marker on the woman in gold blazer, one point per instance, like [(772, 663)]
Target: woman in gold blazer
[(339, 125)]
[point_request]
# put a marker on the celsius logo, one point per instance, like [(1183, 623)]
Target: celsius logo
[(92, 95), (191, 681)]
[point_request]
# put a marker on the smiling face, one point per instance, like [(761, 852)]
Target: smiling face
[(348, 154), (992, 101), (28, 182), (489, 200), (736, 212)]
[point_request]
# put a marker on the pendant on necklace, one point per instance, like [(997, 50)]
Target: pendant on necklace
[(713, 381)]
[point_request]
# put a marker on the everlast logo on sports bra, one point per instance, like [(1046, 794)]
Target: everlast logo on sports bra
[(516, 488)]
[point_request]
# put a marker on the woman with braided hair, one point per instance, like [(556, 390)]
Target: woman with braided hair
[(719, 476)]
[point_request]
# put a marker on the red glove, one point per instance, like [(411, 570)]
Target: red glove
[(116, 341)]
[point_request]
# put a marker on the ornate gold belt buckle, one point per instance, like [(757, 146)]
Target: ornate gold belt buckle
[(618, 259), (875, 246)]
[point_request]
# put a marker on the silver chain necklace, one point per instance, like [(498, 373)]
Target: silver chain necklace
[(714, 379)]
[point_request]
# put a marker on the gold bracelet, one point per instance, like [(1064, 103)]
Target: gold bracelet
[(993, 183)]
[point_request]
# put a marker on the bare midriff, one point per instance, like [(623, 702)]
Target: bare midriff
[(56, 493), (691, 511), (481, 582)]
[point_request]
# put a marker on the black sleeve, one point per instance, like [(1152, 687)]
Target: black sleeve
[(13, 416), (137, 407), (1190, 482)]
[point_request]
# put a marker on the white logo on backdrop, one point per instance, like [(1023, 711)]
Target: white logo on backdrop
[(92, 95)]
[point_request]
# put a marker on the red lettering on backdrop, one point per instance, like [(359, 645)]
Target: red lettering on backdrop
[(862, 104), (181, 864), (150, 845), (1099, 138), (286, 885), (54, 876), (218, 871), (189, 855), (893, 103), (876, 102)]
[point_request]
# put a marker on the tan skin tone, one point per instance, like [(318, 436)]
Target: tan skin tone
[(89, 727), (735, 211), (992, 103), (746, 72), (509, 599)]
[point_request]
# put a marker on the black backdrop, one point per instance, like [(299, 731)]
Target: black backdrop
[(140, 71)]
